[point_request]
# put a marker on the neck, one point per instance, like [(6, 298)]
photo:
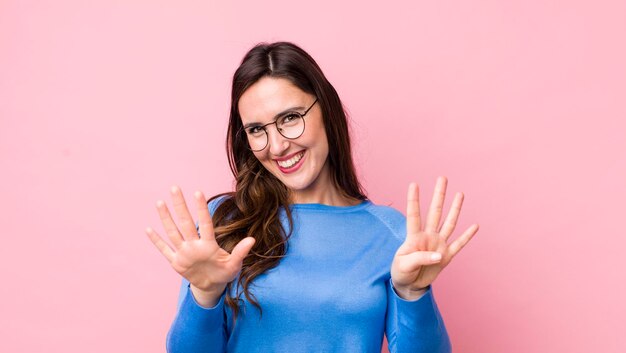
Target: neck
[(325, 192)]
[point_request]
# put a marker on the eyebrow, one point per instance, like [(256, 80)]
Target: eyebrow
[(288, 110)]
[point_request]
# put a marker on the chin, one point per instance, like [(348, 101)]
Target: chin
[(302, 179), (295, 185)]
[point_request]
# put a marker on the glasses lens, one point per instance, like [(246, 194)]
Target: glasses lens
[(257, 137), (291, 126)]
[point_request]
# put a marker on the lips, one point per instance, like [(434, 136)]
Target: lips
[(292, 168), (292, 161), (288, 156)]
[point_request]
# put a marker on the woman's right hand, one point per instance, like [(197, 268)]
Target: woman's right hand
[(199, 259)]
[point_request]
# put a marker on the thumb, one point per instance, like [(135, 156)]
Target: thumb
[(415, 260), (242, 249)]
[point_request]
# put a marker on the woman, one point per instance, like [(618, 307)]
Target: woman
[(298, 259)]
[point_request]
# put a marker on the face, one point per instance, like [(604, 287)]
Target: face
[(260, 104)]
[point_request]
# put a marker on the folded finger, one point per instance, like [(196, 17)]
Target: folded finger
[(411, 262)]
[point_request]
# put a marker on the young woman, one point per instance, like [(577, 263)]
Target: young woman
[(297, 258)]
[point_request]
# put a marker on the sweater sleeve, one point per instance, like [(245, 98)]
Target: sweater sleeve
[(411, 326), (196, 328), (415, 326)]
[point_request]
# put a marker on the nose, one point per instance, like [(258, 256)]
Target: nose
[(277, 142)]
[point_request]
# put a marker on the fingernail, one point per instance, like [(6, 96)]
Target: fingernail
[(435, 257)]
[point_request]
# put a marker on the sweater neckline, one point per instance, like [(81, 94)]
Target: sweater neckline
[(330, 208)]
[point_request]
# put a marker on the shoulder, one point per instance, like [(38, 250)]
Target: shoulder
[(390, 217), (215, 201)]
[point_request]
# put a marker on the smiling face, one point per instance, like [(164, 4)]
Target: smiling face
[(308, 178)]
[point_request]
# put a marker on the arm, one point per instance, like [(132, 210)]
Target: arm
[(206, 268), (197, 328), (415, 326)]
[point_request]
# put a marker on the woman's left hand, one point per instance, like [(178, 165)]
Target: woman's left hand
[(413, 269)]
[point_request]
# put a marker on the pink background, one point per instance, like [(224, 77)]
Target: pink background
[(105, 104)]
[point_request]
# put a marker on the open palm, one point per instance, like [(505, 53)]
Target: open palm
[(198, 258), (413, 267)]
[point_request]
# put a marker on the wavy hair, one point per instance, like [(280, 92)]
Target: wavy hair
[(253, 208)]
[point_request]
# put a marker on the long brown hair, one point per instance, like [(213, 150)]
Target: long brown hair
[(253, 208)]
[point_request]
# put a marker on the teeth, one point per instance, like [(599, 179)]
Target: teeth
[(290, 162)]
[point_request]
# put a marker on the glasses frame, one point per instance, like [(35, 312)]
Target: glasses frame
[(267, 137)]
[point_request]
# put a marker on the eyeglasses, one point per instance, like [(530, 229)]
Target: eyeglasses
[(290, 125)]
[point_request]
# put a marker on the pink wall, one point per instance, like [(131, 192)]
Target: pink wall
[(105, 104)]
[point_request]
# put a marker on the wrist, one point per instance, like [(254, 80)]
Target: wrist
[(211, 289), (409, 293), (207, 298)]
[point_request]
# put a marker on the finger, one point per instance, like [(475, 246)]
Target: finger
[(436, 206), (169, 225), (205, 224), (453, 216), (242, 249), (413, 221), (460, 242), (413, 261), (160, 244), (187, 225)]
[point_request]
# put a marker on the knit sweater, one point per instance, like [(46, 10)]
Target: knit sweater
[(332, 292)]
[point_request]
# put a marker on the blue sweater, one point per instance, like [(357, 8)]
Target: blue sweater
[(332, 292)]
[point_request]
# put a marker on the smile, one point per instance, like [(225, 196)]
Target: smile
[(291, 161)]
